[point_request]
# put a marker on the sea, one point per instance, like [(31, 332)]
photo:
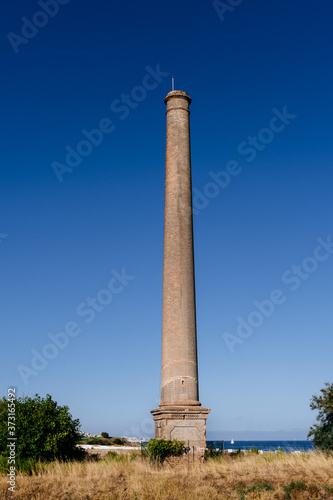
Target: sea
[(287, 446)]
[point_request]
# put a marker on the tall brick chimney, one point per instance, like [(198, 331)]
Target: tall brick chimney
[(180, 415)]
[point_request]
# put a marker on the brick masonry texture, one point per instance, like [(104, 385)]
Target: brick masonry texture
[(179, 349), (179, 384)]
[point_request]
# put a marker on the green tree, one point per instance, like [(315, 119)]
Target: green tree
[(44, 430), (322, 432), (105, 435)]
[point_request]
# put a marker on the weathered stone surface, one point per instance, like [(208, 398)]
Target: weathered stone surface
[(183, 423), (180, 415)]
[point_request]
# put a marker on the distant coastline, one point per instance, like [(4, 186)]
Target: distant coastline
[(288, 446)]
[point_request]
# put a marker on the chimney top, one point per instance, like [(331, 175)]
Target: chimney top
[(178, 93)]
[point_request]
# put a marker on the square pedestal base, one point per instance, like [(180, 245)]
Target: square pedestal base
[(185, 423)]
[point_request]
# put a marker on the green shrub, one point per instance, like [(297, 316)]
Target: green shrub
[(328, 489), (213, 454), (291, 487), (44, 430), (29, 466), (162, 448), (112, 455), (115, 457), (25, 465), (3, 464), (96, 441), (242, 490), (105, 435), (314, 491), (118, 441)]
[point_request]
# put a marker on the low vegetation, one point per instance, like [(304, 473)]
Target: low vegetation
[(280, 476), (49, 464), (103, 441)]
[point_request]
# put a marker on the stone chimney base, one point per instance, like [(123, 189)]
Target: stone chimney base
[(185, 423)]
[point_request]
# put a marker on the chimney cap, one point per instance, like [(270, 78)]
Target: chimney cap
[(178, 93)]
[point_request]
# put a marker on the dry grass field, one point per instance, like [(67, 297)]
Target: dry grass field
[(268, 476)]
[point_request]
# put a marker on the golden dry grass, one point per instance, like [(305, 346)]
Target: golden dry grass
[(238, 478)]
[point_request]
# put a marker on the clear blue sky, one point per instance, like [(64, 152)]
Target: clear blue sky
[(61, 243)]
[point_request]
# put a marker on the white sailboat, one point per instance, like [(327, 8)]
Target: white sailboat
[(232, 442)]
